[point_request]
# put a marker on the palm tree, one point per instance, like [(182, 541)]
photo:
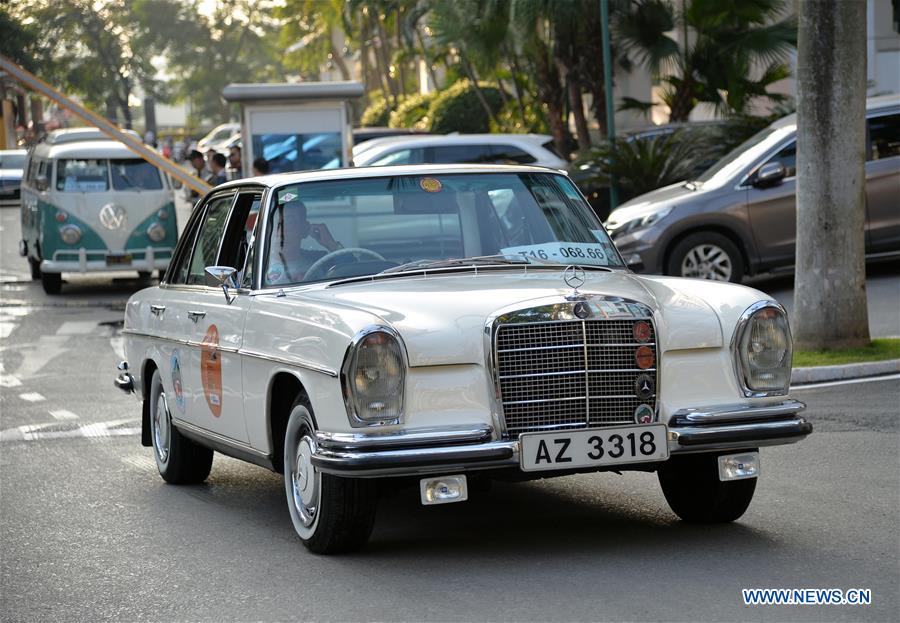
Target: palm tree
[(724, 40)]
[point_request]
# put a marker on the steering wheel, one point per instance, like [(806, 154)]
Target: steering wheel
[(326, 260)]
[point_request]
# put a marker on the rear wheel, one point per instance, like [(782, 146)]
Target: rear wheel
[(51, 282), (180, 461), (35, 266), (330, 514), (694, 492), (706, 255)]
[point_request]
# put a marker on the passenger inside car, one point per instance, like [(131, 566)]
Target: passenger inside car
[(288, 260)]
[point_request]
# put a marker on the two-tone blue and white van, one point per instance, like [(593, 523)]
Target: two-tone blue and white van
[(91, 205)]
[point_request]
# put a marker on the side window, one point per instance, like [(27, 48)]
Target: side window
[(209, 237), (884, 136), (511, 154), (788, 159), (403, 156), (178, 270), (239, 234), (462, 154)]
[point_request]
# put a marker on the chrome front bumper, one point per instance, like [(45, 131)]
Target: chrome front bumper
[(468, 448)]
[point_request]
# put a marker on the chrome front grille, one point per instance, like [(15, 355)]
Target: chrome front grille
[(570, 373)]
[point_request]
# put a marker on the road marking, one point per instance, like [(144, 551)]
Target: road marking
[(77, 327), (32, 397), (8, 380), (62, 414), (871, 379), (68, 430)]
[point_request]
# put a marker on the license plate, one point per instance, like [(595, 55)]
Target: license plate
[(595, 446), (118, 260)]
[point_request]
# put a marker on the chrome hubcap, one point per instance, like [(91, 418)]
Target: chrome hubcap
[(305, 482), (162, 428), (707, 261)]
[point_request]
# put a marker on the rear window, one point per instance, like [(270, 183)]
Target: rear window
[(82, 176), (133, 174)]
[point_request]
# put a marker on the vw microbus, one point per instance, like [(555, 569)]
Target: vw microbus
[(91, 205)]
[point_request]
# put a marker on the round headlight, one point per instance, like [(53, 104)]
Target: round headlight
[(764, 350), (373, 377), (70, 234), (156, 232)]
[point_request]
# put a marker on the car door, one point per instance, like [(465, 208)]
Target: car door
[(773, 209), (883, 182), (215, 322)]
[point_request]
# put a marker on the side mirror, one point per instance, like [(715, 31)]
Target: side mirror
[(222, 276), (770, 174), (41, 182)]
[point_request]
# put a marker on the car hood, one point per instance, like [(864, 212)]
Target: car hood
[(651, 202), (442, 317)]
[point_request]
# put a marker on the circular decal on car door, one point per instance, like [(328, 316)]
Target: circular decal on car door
[(211, 370), (177, 385)]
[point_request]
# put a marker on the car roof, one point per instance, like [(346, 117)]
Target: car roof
[(455, 139), (86, 149), (872, 104), (322, 175), (69, 135)]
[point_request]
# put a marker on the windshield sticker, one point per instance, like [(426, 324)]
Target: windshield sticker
[(562, 252), (288, 197), (177, 385), (430, 185), (211, 370)]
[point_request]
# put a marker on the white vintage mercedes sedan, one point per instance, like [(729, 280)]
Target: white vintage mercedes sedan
[(451, 324)]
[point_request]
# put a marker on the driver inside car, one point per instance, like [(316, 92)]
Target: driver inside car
[(288, 261)]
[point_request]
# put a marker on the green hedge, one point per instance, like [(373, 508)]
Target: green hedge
[(377, 114), (458, 109), (412, 112)]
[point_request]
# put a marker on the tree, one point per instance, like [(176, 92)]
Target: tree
[(724, 40), (830, 308)]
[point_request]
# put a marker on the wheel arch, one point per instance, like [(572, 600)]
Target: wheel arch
[(284, 388), (719, 228), (147, 369)]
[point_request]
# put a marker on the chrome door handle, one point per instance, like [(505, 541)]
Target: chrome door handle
[(157, 310), (196, 315)]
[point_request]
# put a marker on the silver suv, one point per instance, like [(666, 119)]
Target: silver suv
[(739, 217)]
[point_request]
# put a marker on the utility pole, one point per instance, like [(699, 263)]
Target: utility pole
[(608, 90), (830, 277)]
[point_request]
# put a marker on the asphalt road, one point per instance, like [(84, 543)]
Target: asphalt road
[(89, 532)]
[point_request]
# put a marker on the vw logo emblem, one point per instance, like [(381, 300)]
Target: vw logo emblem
[(574, 276), (112, 216)]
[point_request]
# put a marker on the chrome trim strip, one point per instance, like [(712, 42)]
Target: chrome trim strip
[(564, 372), (736, 413), (739, 435), (297, 363), (533, 348), (736, 339), (220, 439), (411, 437)]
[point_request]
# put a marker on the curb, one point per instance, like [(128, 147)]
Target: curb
[(819, 374)]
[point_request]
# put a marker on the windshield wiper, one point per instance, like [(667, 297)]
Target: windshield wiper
[(481, 260)]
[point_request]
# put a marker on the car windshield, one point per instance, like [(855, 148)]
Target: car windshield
[(354, 227), (736, 159), (12, 161), (133, 174)]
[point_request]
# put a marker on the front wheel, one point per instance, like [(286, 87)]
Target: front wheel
[(180, 461), (706, 255), (51, 282), (330, 514), (694, 492)]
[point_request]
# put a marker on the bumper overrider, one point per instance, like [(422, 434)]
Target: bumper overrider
[(465, 448)]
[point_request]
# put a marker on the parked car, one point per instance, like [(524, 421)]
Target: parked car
[(535, 149), (362, 135), (429, 322), (218, 136), (12, 162), (739, 217), (93, 206), (696, 145)]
